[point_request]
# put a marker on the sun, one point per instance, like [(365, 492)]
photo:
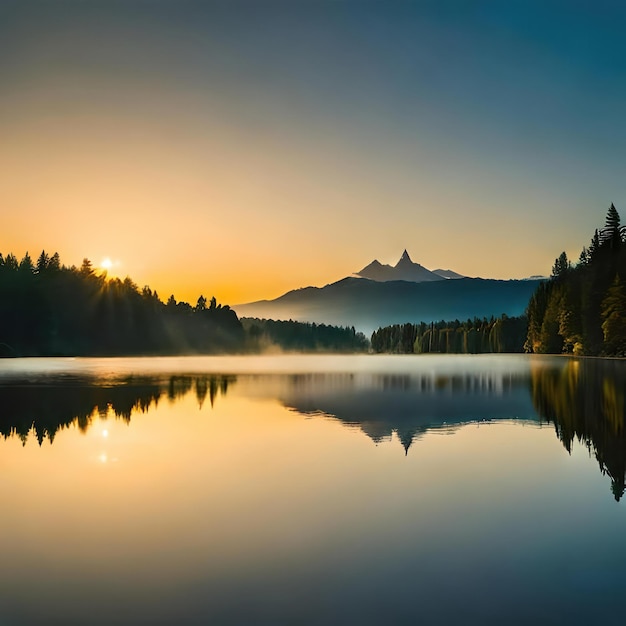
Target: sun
[(109, 267)]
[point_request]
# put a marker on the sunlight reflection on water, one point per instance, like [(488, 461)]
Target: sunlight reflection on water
[(229, 490)]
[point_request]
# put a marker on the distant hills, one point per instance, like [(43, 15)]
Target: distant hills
[(448, 274), (367, 304), (381, 295), (404, 269)]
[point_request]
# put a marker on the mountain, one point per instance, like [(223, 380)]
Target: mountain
[(448, 274), (404, 269), (367, 304)]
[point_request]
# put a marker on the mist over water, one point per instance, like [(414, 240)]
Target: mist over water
[(497, 365), (313, 490)]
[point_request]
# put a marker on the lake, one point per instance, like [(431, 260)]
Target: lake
[(312, 490)]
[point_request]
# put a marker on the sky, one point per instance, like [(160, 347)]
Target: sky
[(243, 148)]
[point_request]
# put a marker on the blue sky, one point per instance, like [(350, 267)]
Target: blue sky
[(270, 145)]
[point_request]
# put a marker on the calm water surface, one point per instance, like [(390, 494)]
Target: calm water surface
[(312, 490)]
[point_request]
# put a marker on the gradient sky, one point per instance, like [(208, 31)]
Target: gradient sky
[(244, 148)]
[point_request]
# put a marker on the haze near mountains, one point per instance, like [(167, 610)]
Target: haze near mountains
[(404, 269), (380, 295)]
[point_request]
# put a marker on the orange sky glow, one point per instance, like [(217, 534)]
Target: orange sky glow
[(237, 156)]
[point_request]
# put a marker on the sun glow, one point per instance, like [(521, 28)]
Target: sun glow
[(109, 267)]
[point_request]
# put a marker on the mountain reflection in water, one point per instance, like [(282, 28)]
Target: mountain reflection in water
[(584, 399), (408, 405)]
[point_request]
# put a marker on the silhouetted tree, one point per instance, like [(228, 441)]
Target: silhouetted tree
[(611, 234), (42, 262), (26, 264), (55, 262), (10, 262), (561, 266), (86, 269)]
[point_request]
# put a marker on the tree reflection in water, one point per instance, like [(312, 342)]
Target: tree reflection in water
[(585, 401), (48, 407), (583, 398)]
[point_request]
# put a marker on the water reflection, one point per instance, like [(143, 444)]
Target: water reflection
[(411, 405), (584, 399), (44, 407)]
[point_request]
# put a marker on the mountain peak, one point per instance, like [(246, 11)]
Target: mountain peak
[(404, 269), (405, 257)]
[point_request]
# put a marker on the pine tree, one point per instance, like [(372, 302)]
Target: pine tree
[(86, 269), (594, 246), (561, 265), (42, 262), (611, 234), (612, 218), (55, 262), (26, 264), (11, 262)]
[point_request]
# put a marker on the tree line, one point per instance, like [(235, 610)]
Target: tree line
[(474, 336), (47, 308), (264, 334), (50, 309), (581, 310)]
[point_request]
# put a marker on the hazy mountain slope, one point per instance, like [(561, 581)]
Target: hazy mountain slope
[(367, 304), (448, 274)]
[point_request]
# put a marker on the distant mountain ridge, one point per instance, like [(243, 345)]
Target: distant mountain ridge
[(404, 269), (382, 295), (368, 304), (449, 274)]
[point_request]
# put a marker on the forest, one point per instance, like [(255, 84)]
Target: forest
[(581, 310), (264, 335), (477, 336), (49, 309)]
